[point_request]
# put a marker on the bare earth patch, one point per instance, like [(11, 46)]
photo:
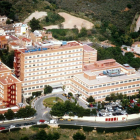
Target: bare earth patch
[(71, 21), (37, 15)]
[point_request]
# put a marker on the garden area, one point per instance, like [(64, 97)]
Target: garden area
[(49, 102)]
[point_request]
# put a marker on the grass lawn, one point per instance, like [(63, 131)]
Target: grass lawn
[(49, 102)]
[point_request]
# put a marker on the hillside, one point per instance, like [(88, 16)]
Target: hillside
[(113, 11)]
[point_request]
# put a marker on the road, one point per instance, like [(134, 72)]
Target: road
[(43, 113)]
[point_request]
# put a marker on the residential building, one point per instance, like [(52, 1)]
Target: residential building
[(8, 29), (36, 36), (20, 29), (2, 32), (10, 87), (3, 20), (3, 42), (48, 64)]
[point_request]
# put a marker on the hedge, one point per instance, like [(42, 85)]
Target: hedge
[(70, 127), (40, 126), (4, 131), (15, 129)]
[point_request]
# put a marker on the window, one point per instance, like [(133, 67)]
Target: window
[(121, 82), (108, 84), (113, 84)]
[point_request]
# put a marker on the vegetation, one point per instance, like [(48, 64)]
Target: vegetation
[(115, 53), (67, 134), (48, 89), (35, 24), (25, 112), (9, 115), (21, 113), (7, 57), (52, 18), (79, 136), (90, 99), (49, 102), (60, 109)]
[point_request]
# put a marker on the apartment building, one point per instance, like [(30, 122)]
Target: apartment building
[(10, 87), (20, 28), (105, 77), (48, 64)]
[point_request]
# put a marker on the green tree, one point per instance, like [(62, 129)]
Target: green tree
[(79, 136), (41, 135), (58, 109), (48, 89), (90, 99), (24, 138), (83, 32), (9, 115), (70, 94), (8, 21), (56, 135), (2, 117), (35, 24), (25, 112)]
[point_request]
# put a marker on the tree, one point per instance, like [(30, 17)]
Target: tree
[(9, 115), (8, 21), (41, 135), (70, 94), (56, 135), (25, 112), (79, 136), (47, 19), (83, 32), (58, 109), (48, 89), (2, 117), (90, 99), (24, 138), (35, 24)]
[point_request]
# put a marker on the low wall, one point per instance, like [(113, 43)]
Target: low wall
[(105, 119), (16, 120)]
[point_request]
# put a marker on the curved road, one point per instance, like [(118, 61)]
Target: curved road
[(43, 113)]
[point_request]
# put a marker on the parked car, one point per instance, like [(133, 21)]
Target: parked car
[(69, 119), (32, 123), (11, 126), (38, 123), (17, 125), (2, 128), (46, 122), (61, 119), (25, 124)]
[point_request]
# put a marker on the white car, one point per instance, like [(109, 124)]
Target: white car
[(12, 126), (46, 122), (39, 123)]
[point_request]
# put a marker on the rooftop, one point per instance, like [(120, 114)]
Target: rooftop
[(88, 48), (26, 40), (93, 67), (3, 67), (8, 79), (106, 79), (50, 45)]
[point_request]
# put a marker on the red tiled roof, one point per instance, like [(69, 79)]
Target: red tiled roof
[(26, 40), (14, 44), (88, 48)]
